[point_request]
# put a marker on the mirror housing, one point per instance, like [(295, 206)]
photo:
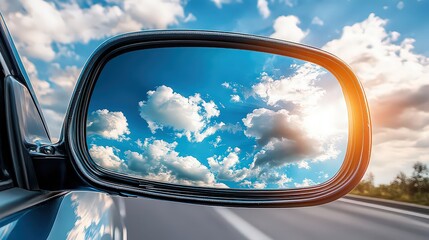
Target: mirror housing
[(359, 135)]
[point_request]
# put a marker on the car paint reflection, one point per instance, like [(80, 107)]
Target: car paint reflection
[(77, 215)]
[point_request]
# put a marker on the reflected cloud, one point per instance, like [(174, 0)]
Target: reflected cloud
[(92, 216), (110, 125), (190, 116)]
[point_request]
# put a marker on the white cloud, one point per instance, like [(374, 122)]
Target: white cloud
[(395, 82), (286, 28), (282, 182), (263, 8), (317, 21), (305, 183), (210, 108), (282, 131), (139, 142), (40, 87), (303, 164), (235, 98), (226, 168), (400, 5), (383, 65), (37, 24), (299, 89), (226, 85), (106, 157), (259, 185), (190, 18), (216, 142), (160, 162), (65, 78), (109, 125), (189, 116)]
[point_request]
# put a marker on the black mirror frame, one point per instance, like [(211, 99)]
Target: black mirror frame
[(359, 136)]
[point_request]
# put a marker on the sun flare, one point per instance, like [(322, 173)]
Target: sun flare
[(326, 120)]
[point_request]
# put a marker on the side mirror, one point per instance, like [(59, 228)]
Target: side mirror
[(218, 118)]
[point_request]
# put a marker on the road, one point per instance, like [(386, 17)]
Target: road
[(342, 219)]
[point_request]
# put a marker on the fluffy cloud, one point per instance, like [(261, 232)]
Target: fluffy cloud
[(383, 64), (106, 157), (298, 89), (286, 28), (235, 98), (40, 87), (293, 134), (160, 162), (305, 183), (263, 8), (395, 81), (109, 125), (303, 164), (284, 139), (216, 142), (265, 178), (226, 168), (280, 179), (229, 168), (259, 185), (190, 116), (37, 24), (409, 108), (283, 181), (266, 125)]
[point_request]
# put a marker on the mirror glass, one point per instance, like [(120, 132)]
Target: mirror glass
[(217, 117)]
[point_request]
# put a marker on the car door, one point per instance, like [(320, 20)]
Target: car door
[(26, 212)]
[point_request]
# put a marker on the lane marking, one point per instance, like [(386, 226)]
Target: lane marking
[(241, 225), (390, 209)]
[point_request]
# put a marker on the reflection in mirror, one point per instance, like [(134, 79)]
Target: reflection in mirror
[(216, 117)]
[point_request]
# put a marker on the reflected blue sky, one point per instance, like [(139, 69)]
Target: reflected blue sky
[(217, 117)]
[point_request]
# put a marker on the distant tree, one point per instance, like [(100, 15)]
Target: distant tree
[(419, 178), (399, 187), (409, 189)]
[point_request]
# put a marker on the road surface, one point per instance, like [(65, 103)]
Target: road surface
[(342, 219)]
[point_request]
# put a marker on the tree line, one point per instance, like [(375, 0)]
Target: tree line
[(412, 189)]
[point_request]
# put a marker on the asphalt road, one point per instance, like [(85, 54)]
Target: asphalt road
[(342, 219)]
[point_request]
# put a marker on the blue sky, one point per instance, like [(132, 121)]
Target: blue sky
[(385, 43)]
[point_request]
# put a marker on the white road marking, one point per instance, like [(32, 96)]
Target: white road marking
[(390, 209), (245, 228)]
